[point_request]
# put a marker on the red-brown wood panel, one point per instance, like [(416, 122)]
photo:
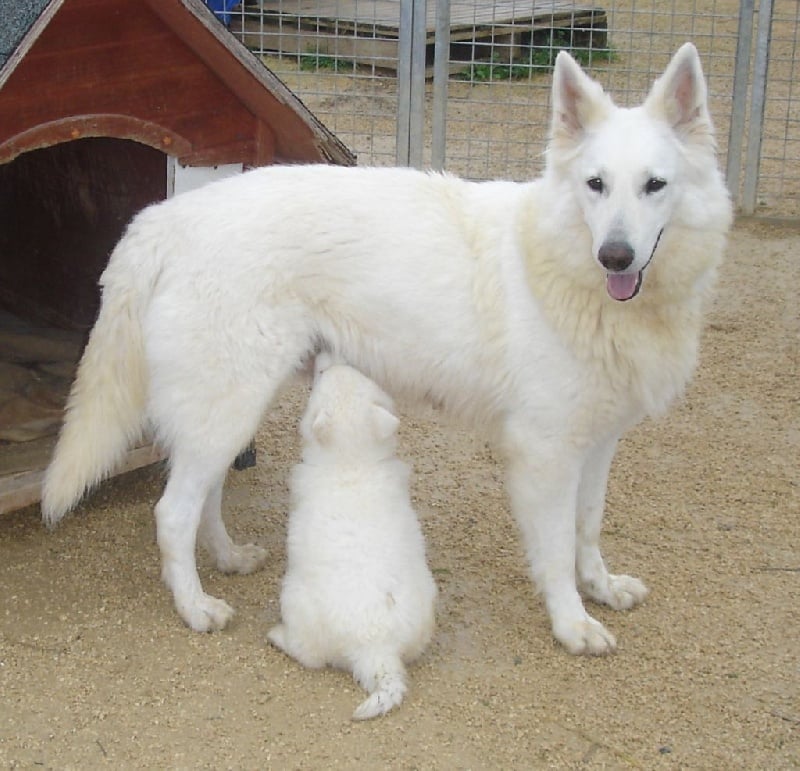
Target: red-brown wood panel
[(82, 24), (123, 60)]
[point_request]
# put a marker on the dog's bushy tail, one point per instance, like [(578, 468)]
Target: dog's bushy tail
[(106, 407), (383, 675)]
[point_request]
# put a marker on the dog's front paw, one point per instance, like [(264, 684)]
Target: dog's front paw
[(244, 558), (206, 613), (584, 636), (619, 592)]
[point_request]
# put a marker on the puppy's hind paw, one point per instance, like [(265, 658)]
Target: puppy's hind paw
[(385, 679), (277, 636), (585, 637), (379, 703)]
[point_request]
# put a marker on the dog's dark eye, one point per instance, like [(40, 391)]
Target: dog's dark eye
[(654, 184), (595, 184)]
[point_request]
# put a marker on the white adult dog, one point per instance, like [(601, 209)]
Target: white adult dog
[(501, 303), (357, 594)]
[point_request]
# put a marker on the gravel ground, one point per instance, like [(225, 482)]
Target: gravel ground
[(97, 669)]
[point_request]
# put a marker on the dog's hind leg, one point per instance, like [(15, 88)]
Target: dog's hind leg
[(210, 383), (228, 556), (178, 516), (202, 445), (618, 591)]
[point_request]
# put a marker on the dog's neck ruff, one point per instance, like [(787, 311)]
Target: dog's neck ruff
[(625, 286)]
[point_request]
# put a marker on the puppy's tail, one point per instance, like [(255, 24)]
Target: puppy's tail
[(106, 406), (384, 676)]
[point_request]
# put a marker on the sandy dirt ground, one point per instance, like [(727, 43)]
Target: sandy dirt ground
[(97, 670)]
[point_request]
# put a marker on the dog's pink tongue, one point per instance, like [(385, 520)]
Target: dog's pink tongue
[(622, 286)]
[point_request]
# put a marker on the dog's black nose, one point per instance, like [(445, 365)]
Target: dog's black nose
[(615, 255)]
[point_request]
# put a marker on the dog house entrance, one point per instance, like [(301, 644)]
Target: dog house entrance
[(62, 209)]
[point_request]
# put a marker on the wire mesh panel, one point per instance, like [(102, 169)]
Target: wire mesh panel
[(340, 57), (623, 44), (777, 192)]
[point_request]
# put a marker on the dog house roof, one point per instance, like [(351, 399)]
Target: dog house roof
[(164, 73)]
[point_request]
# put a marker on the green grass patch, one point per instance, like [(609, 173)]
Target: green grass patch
[(540, 59), (312, 62)]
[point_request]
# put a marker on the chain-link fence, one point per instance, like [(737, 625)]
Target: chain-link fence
[(349, 61)]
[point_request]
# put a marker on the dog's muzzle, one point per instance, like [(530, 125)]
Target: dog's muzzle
[(616, 257)]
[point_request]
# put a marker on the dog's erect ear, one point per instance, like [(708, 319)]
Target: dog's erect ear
[(680, 97), (578, 101), (384, 423)]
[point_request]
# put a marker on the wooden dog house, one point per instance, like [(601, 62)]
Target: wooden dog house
[(102, 102)]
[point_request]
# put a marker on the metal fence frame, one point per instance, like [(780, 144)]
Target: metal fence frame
[(422, 108)]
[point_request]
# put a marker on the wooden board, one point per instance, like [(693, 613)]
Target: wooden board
[(37, 364), (23, 487), (368, 33), (383, 16)]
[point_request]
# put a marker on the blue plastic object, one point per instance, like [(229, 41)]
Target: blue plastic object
[(221, 9)]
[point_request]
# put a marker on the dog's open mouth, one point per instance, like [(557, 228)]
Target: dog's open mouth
[(623, 286)]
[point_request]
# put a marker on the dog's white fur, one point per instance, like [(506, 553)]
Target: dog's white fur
[(488, 299), (357, 594)]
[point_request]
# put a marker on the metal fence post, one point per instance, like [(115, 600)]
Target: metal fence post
[(739, 110), (441, 75), (757, 101), (411, 83)]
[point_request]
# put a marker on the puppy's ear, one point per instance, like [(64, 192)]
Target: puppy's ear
[(680, 98), (577, 101), (322, 361), (384, 423), (321, 427)]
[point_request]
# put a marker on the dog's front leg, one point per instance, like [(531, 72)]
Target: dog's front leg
[(618, 591), (544, 490)]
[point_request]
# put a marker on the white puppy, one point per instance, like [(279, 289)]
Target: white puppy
[(357, 594)]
